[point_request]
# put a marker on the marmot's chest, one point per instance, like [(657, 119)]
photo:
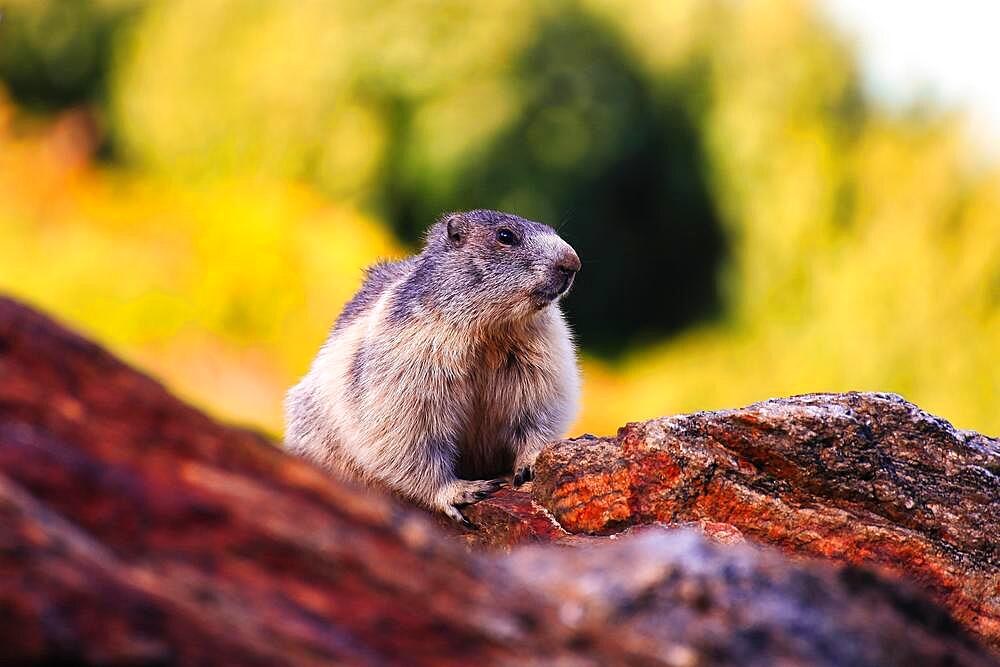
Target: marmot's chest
[(505, 389)]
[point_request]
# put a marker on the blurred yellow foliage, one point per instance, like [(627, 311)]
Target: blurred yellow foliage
[(223, 290), (296, 90)]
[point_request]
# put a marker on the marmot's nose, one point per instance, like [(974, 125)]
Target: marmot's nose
[(568, 262)]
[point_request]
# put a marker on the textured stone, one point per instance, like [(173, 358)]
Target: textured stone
[(135, 530), (670, 597), (861, 478)]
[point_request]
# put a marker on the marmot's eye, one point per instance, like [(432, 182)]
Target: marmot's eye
[(506, 237)]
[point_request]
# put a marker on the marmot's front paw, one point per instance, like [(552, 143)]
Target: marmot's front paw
[(465, 492), (524, 468)]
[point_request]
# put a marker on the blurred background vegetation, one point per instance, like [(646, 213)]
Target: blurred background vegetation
[(198, 185)]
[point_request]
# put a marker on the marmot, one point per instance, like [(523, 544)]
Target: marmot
[(447, 368)]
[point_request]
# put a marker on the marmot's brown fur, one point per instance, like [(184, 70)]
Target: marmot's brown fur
[(447, 368)]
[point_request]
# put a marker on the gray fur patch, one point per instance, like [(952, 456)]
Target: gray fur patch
[(377, 278), (305, 417), (356, 374), (524, 426), (413, 291)]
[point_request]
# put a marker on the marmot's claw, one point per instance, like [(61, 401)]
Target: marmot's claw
[(466, 492), (493, 485), (458, 518), (523, 475)]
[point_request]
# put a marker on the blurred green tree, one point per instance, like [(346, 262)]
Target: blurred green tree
[(57, 53), (608, 155)]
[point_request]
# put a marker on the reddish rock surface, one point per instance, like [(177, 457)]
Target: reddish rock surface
[(860, 478), (135, 530)]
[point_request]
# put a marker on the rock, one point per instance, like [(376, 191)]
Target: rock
[(670, 597), (510, 518), (136, 530), (860, 478)]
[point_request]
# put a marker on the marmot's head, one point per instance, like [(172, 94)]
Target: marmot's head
[(497, 266)]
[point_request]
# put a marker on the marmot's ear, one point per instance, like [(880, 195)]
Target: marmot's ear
[(457, 228)]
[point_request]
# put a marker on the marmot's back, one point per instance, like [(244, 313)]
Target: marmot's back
[(316, 415), (377, 278), (458, 354)]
